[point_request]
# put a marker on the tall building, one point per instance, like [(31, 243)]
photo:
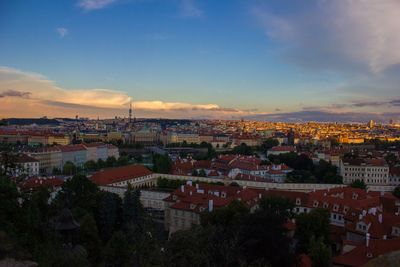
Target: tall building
[(130, 112), (371, 124)]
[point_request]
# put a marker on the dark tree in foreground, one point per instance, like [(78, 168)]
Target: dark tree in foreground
[(320, 253), (315, 223), (117, 252)]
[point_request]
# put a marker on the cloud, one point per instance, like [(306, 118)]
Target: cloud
[(189, 9), (40, 96), (89, 5), (62, 32), (14, 93), (358, 35)]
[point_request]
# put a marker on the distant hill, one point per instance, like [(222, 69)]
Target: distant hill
[(27, 121)]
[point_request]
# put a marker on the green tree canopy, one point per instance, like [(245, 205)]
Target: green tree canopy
[(358, 184), (69, 168), (314, 223)]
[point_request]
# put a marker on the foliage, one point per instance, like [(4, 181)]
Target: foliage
[(279, 206), (69, 168), (108, 214), (123, 161), (9, 206), (269, 143), (358, 184), (111, 161), (132, 209), (186, 248), (396, 191), (202, 173), (78, 192), (117, 252), (89, 236), (91, 165), (162, 163), (243, 149), (391, 159), (315, 223), (320, 253)]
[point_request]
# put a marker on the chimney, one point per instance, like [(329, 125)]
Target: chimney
[(367, 239), (380, 218), (210, 205), (182, 188)]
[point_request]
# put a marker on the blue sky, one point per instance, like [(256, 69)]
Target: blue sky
[(249, 57)]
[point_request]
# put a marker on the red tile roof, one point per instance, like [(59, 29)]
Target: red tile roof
[(119, 174), (36, 182), (71, 148), (361, 254)]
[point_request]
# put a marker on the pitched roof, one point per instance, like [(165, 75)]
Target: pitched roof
[(115, 175), (361, 254), (36, 182)]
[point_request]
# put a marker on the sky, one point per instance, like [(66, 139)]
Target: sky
[(289, 60)]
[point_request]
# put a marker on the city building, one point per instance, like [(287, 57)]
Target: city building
[(49, 158), (277, 150), (136, 175), (26, 166), (76, 154), (370, 171), (184, 206)]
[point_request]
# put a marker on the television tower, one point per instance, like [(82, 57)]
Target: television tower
[(130, 112)]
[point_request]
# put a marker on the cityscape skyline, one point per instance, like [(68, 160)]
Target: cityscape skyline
[(308, 61)]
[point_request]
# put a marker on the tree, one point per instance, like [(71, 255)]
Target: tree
[(396, 191), (90, 165), (78, 193), (90, 239), (243, 149), (118, 253), (280, 206), (9, 207), (101, 164), (108, 214), (162, 163), (202, 173), (315, 223), (320, 253), (7, 161), (195, 173), (269, 143), (69, 168), (358, 184), (186, 248), (263, 240), (132, 209), (56, 171), (123, 161), (391, 159), (111, 161)]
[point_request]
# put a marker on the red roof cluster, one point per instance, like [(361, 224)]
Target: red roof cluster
[(36, 182), (197, 198), (119, 174)]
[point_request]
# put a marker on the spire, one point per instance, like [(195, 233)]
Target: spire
[(130, 112)]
